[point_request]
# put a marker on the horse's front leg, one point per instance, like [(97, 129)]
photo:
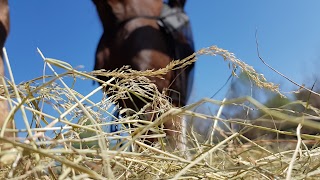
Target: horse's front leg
[(176, 130), (4, 31)]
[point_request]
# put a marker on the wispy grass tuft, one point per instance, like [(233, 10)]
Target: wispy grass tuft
[(259, 79)]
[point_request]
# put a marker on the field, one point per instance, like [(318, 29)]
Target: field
[(64, 133)]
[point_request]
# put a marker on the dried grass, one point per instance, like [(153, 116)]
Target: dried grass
[(64, 138)]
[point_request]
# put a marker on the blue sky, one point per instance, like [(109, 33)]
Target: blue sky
[(288, 30)]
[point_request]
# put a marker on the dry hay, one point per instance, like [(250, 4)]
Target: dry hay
[(64, 138)]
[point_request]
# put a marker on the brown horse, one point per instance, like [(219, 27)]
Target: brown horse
[(4, 30), (132, 36)]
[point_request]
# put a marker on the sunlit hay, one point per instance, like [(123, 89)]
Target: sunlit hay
[(126, 72), (259, 79), (62, 134)]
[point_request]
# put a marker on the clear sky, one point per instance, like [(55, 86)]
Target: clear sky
[(288, 30)]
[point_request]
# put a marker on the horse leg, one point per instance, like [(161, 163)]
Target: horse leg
[(4, 30), (3, 103), (177, 134)]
